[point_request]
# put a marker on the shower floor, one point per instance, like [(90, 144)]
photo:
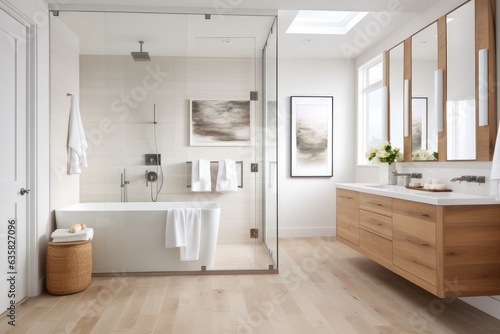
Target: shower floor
[(242, 256)]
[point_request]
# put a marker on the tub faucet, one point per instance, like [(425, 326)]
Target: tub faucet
[(407, 176), (123, 185)]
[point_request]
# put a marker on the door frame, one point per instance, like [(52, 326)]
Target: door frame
[(33, 286)]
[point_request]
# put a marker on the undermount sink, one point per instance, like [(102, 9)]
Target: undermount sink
[(381, 186), (429, 197)]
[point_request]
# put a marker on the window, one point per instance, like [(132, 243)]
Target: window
[(372, 115), (324, 22)]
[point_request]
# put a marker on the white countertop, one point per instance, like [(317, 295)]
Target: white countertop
[(435, 198)]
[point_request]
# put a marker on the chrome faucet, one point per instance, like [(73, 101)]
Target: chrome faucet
[(469, 178), (123, 185), (408, 176)]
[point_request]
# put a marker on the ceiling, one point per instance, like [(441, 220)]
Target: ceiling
[(193, 35)]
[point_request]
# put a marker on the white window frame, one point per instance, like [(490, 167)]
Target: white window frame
[(364, 89)]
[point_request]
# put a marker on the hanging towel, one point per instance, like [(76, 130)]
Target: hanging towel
[(183, 230), (495, 170), (227, 178), (175, 230), (77, 144), (200, 176), (191, 250)]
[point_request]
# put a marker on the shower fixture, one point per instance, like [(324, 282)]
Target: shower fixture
[(140, 56)]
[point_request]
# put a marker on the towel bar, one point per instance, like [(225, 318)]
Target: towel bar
[(216, 162)]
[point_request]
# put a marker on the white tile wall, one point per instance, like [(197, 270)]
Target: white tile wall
[(64, 79), (117, 99)]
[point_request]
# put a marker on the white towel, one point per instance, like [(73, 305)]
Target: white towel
[(77, 144), (191, 251), (200, 176), (495, 170), (227, 178), (183, 230), (175, 231), (63, 235)]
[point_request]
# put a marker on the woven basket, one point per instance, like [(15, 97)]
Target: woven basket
[(69, 267)]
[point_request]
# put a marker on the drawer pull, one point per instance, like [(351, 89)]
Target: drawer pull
[(417, 242), (413, 213)]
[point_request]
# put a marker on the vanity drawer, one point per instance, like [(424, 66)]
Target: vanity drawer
[(414, 211), (414, 239), (347, 200), (348, 227), (348, 215), (378, 224), (378, 204), (375, 245)]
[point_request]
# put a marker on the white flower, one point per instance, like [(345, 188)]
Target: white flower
[(423, 155), (384, 153)]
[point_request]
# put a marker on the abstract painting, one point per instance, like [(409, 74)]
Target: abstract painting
[(220, 123), (311, 136)]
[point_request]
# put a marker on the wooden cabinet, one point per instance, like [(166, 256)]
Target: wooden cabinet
[(375, 223), (348, 215), (451, 251), (414, 239)]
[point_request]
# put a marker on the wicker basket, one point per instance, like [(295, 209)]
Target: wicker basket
[(69, 267)]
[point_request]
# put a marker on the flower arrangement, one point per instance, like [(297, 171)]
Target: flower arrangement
[(384, 153), (424, 155)]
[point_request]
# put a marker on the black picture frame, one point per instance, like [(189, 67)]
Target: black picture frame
[(311, 132)]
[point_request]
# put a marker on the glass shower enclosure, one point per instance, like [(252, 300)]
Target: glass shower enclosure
[(180, 111)]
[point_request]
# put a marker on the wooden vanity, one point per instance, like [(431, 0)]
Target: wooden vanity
[(449, 250)]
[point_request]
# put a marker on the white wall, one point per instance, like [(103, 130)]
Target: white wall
[(306, 205), (64, 79)]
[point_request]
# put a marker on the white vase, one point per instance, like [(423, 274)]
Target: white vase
[(385, 173)]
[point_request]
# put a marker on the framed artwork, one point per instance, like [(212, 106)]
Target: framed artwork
[(419, 123), (311, 136), (220, 123)]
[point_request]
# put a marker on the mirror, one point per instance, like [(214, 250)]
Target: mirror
[(461, 100), (396, 80), (424, 62)]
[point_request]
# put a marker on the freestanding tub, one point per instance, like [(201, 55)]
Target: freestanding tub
[(130, 237)]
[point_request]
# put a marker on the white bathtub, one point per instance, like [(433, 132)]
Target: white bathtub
[(130, 237)]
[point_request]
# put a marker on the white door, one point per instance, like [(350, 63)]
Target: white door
[(13, 163)]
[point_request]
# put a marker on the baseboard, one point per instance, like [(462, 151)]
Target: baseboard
[(300, 232), (487, 304)]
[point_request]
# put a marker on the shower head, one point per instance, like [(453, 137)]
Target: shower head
[(140, 56)]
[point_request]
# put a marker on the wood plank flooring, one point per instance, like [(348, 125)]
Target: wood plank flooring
[(323, 287)]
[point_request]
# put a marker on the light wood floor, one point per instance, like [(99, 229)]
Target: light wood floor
[(242, 256), (323, 287)]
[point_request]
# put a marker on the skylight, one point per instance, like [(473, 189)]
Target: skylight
[(324, 22)]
